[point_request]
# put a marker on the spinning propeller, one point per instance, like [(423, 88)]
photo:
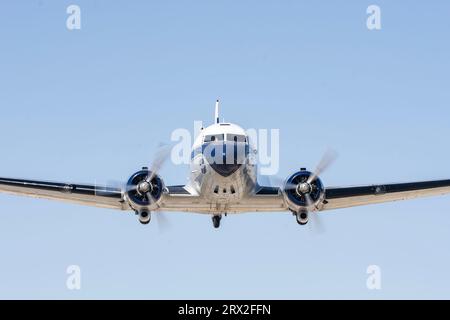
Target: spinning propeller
[(304, 190), (144, 189)]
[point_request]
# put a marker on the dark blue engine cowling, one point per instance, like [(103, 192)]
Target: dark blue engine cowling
[(141, 199), (299, 199)]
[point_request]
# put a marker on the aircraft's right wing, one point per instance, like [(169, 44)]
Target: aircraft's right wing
[(345, 197), (84, 194), (270, 199)]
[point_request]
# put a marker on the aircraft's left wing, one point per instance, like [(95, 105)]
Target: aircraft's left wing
[(90, 195), (345, 197)]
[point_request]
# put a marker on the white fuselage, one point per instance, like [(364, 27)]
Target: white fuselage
[(223, 168)]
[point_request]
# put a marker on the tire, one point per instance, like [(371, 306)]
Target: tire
[(216, 221)]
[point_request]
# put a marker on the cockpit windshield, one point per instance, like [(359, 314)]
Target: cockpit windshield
[(227, 149), (236, 138), (215, 137)]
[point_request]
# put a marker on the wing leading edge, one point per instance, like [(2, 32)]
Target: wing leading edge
[(91, 195), (345, 197)]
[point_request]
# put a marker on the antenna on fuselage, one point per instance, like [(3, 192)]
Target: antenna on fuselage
[(217, 120)]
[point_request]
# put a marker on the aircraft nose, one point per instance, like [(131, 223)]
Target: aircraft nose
[(226, 170), (225, 158)]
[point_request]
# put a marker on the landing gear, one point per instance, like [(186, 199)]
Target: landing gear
[(302, 218), (144, 217), (216, 221)]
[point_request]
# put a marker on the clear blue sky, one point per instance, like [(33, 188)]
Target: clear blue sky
[(92, 105)]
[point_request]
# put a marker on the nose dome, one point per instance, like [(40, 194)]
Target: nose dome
[(225, 170), (225, 158)]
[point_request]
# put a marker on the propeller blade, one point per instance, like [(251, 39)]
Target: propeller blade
[(110, 185), (291, 186), (162, 221), (327, 160), (316, 222), (159, 160), (161, 218), (279, 182), (309, 203)]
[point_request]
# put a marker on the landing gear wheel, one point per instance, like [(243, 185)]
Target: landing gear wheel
[(144, 217), (216, 221), (302, 218)]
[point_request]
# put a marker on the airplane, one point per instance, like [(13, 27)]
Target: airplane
[(223, 181)]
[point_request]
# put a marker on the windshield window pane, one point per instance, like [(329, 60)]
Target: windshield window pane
[(212, 138), (236, 138)]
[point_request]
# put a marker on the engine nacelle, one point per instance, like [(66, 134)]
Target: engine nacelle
[(303, 192), (144, 191)]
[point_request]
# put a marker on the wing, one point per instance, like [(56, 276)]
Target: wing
[(177, 198), (90, 195), (336, 198)]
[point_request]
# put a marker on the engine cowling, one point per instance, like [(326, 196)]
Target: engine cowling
[(303, 192), (144, 191)]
